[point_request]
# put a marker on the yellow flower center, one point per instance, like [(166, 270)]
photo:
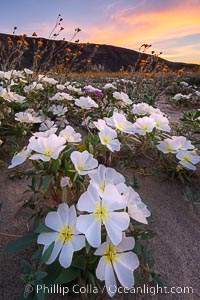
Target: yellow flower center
[(121, 126), (102, 186), (145, 128), (67, 136), (101, 213), (80, 167), (66, 233), (7, 96), (186, 158), (111, 254), (106, 139), (169, 148), (48, 153)]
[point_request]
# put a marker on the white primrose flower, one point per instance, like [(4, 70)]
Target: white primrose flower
[(162, 123), (84, 162), (61, 96), (46, 79), (172, 145), (46, 148), (70, 135), (180, 96), (86, 103), (108, 86), (188, 159), (91, 89), (103, 176), (20, 157), (183, 143), (34, 86), (74, 89), (183, 83), (28, 71), (100, 124), (58, 110), (108, 137), (141, 109), (120, 122), (46, 133), (11, 96), (48, 124), (144, 125), (65, 235), (168, 146), (25, 117), (117, 261), (123, 97), (102, 211), (60, 87), (136, 208)]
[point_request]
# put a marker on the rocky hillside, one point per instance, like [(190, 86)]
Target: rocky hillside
[(40, 53)]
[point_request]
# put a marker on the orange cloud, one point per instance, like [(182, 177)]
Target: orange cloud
[(130, 29), (160, 25)]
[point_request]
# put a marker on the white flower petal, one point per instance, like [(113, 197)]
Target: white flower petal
[(111, 285), (88, 225), (112, 199), (46, 238), (63, 211), (89, 199), (117, 222), (56, 250), (78, 242), (127, 243), (72, 216), (53, 221), (100, 270), (66, 255), (124, 268), (101, 250)]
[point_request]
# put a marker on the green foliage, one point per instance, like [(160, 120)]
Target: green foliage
[(24, 242)]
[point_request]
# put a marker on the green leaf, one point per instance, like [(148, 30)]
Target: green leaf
[(137, 277), (55, 164), (40, 275), (24, 242), (87, 246), (35, 181), (43, 228), (67, 275), (148, 234), (40, 295), (47, 253), (79, 262), (53, 271), (138, 248), (46, 181), (36, 221), (26, 266), (38, 253)]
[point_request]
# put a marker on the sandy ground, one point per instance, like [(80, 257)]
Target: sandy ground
[(177, 244)]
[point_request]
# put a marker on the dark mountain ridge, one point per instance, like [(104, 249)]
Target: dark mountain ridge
[(43, 54)]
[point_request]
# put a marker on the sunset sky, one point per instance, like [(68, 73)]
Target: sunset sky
[(171, 26)]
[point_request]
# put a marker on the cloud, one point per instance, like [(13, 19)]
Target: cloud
[(171, 27)]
